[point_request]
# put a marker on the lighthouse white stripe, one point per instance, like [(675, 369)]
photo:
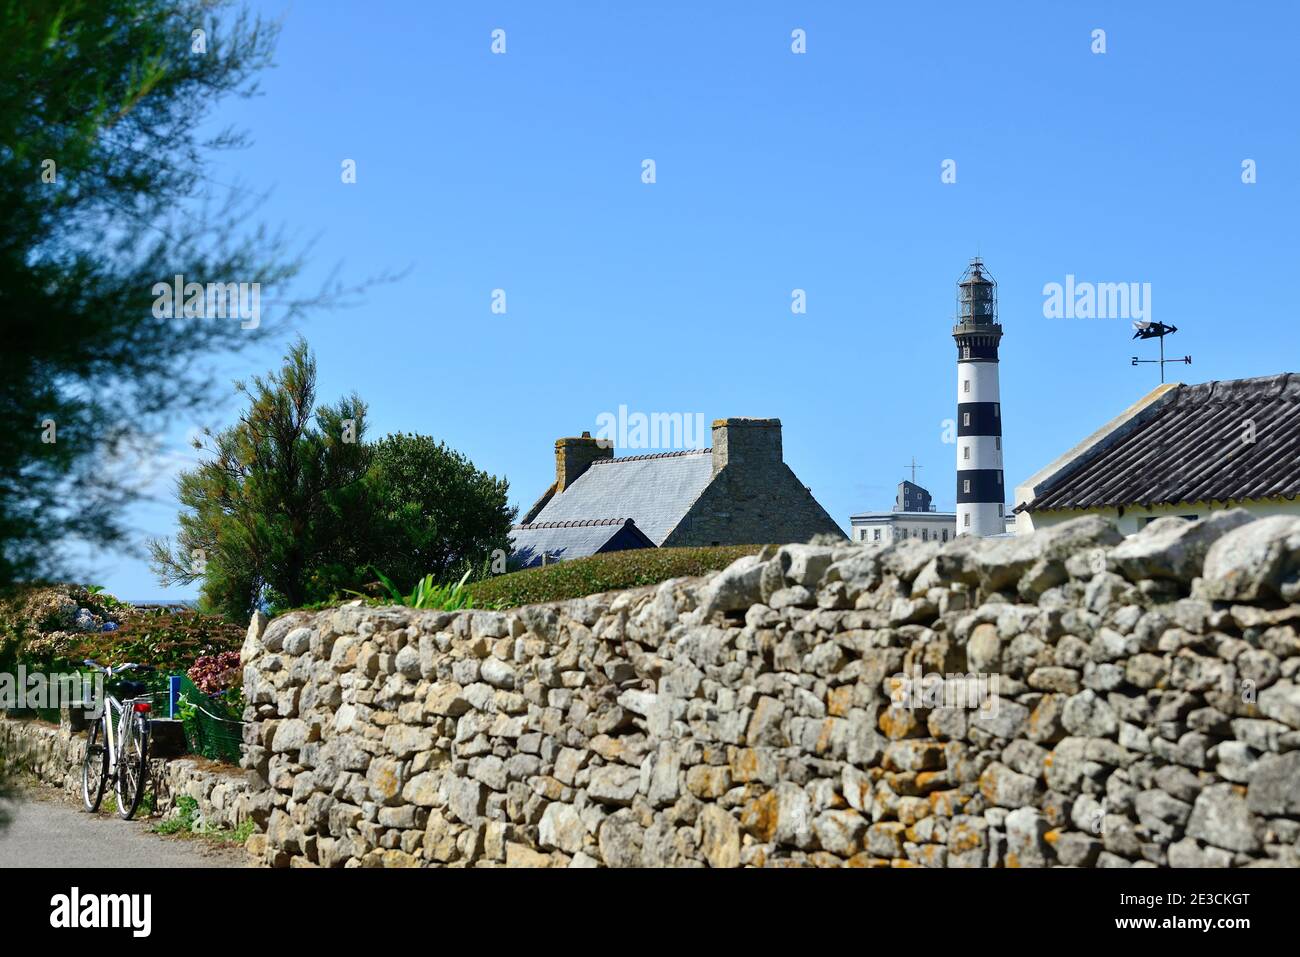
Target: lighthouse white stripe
[(984, 453), (983, 379)]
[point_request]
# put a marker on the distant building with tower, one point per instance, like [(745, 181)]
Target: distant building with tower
[(981, 492), (913, 516)]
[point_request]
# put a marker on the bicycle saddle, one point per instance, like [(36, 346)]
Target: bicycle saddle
[(131, 689)]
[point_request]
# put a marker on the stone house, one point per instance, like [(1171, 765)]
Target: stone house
[(739, 492), (1183, 450)]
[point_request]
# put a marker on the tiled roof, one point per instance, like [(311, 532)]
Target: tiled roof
[(575, 539), (1189, 447), (654, 490)]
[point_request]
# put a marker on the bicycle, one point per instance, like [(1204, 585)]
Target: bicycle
[(122, 758)]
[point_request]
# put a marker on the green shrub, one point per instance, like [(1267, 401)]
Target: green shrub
[(431, 512), (274, 508), (599, 573)]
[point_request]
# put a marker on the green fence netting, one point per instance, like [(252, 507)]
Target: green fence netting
[(212, 729)]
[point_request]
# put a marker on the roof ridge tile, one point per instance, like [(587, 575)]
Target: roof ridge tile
[(573, 523), (651, 455)]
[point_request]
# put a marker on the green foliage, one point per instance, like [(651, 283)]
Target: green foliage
[(168, 640), (431, 512), (111, 93), (606, 572), (187, 809), (427, 595), (232, 699), (273, 515)]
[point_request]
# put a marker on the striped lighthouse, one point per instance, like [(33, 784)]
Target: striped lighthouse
[(980, 491)]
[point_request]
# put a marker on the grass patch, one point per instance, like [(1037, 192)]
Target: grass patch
[(186, 817), (599, 573), (186, 823)]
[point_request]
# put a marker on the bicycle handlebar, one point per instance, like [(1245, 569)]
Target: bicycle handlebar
[(126, 666)]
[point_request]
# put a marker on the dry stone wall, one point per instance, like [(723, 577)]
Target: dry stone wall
[(815, 705)]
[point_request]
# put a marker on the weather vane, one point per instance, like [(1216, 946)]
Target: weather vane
[(1157, 330)]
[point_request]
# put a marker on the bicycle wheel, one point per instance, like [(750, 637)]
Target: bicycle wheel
[(132, 766), (94, 768)]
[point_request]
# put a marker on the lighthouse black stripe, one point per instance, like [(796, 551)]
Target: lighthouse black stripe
[(985, 486), (969, 350), (979, 418)]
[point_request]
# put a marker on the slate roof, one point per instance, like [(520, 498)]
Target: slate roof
[(1187, 447), (574, 539), (655, 490)]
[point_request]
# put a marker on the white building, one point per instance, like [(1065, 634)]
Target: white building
[(911, 517)]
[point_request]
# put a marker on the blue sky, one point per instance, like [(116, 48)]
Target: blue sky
[(775, 171)]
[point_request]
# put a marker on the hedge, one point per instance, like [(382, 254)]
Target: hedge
[(598, 573)]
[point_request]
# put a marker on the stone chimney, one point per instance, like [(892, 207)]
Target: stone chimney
[(747, 443), (574, 455)]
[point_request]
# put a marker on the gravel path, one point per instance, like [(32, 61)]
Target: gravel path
[(48, 830)]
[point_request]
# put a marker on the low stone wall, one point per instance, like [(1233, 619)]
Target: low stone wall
[(53, 756), (1138, 702)]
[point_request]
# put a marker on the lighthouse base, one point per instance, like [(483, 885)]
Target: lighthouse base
[(980, 518)]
